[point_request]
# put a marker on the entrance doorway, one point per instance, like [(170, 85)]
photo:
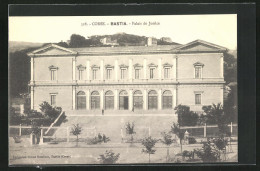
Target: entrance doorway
[(123, 100)]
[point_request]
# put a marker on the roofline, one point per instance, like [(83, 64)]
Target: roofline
[(33, 53), (200, 41)]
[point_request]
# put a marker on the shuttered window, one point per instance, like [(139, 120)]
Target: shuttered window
[(95, 100), (138, 100), (152, 100), (109, 100), (167, 99), (81, 100)]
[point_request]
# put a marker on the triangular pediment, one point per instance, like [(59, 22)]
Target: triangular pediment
[(52, 50), (200, 46)]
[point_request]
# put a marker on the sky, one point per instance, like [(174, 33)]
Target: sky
[(217, 29)]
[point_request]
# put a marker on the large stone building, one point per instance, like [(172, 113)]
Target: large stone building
[(139, 78)]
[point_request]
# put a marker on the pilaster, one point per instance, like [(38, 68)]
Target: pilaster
[(159, 99)]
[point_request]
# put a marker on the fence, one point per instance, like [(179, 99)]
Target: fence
[(56, 133), (208, 130)]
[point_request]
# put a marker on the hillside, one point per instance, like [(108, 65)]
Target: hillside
[(18, 46)]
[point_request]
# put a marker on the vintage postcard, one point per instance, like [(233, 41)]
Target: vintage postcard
[(123, 89)]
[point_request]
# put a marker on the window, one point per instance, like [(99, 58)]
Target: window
[(53, 70), (152, 67), (94, 74), (80, 74), (167, 68), (94, 71), (123, 71), (137, 68), (109, 73), (198, 70), (53, 99), (53, 74), (197, 99), (137, 73), (166, 72), (151, 73), (81, 68)]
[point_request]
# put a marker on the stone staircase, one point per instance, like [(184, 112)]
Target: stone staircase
[(94, 122)]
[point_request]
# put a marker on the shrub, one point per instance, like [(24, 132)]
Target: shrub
[(188, 154), (109, 157), (17, 139), (192, 140), (208, 152), (15, 119)]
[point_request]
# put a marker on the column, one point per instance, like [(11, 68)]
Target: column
[(116, 100), (102, 99), (174, 68), (74, 69), (145, 99), (32, 69), (174, 100), (130, 100), (116, 69), (130, 69), (102, 69), (73, 98), (88, 99), (32, 97), (145, 68), (160, 68), (159, 99), (88, 70), (221, 67)]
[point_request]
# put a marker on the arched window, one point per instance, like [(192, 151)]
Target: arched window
[(81, 100), (109, 100), (152, 100), (167, 99), (123, 100), (95, 100), (138, 100)]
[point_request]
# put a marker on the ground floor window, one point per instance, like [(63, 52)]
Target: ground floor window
[(109, 100), (53, 99), (81, 100), (95, 100), (167, 100), (152, 100), (197, 99)]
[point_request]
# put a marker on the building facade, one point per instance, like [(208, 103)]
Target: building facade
[(147, 78)]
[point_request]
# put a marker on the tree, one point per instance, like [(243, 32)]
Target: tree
[(167, 140), (109, 157), (77, 41), (130, 130), (230, 104), (215, 115), (76, 130), (149, 143), (175, 129), (49, 111), (185, 116)]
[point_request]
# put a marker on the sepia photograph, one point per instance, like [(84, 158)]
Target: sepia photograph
[(136, 89)]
